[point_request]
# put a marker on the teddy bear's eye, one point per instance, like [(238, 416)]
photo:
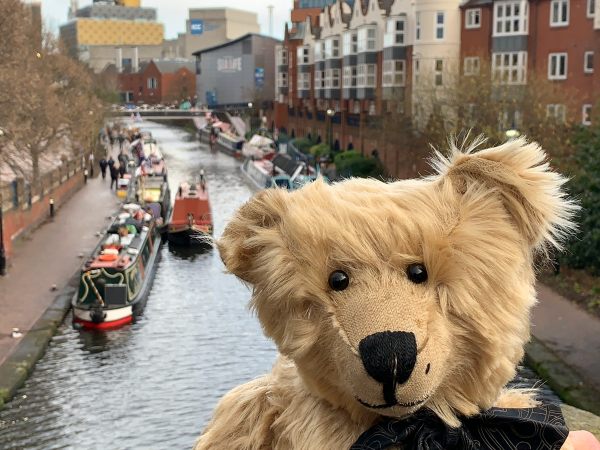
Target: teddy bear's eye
[(417, 273), (339, 280)]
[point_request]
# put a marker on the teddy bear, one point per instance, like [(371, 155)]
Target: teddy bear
[(397, 303)]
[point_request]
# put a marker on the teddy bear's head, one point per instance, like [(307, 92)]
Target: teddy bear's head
[(392, 297)]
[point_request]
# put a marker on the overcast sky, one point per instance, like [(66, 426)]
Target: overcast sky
[(173, 13)]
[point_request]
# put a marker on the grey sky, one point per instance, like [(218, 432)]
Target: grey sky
[(173, 13)]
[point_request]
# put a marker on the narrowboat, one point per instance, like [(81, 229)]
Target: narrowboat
[(278, 171), (191, 221), (115, 281)]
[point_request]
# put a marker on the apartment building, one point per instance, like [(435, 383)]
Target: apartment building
[(339, 71), (544, 40)]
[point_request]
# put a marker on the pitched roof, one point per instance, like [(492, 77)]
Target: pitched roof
[(234, 41), (173, 65)]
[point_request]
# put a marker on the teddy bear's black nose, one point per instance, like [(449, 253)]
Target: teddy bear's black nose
[(389, 357)]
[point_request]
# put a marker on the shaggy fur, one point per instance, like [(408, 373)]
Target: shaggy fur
[(476, 227)]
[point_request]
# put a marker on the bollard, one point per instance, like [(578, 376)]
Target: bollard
[(51, 202), (85, 176)]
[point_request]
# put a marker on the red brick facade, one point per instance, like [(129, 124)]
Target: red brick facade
[(150, 85), (574, 38)]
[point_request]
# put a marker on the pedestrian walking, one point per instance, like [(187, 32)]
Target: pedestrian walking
[(114, 176), (91, 165), (122, 170), (121, 139), (110, 162), (103, 165)]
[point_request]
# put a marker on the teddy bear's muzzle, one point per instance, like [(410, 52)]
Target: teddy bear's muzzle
[(389, 357)]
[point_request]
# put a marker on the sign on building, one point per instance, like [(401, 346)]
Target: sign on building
[(229, 64), (211, 98), (197, 26), (259, 77)]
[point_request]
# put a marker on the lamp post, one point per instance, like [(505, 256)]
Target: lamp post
[(250, 116), (2, 249), (330, 114)]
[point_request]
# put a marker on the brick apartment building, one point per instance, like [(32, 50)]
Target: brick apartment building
[(158, 81), (557, 40), (364, 60), (360, 61)]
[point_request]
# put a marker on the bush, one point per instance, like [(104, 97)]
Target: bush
[(304, 145), (320, 150), (584, 250), (353, 164)]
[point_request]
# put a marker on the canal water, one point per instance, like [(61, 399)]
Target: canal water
[(153, 385)]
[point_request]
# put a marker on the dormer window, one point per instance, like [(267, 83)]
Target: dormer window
[(350, 43), (367, 39)]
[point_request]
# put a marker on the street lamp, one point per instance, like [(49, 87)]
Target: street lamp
[(250, 105), (3, 133), (512, 133), (330, 114)]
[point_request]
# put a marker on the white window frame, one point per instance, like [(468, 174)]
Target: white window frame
[(319, 79), (152, 83), (332, 48), (517, 73), (586, 114), (334, 78), (303, 81), (590, 10), (557, 56), (587, 68), (367, 39), (350, 73), (366, 75), (393, 37), (557, 5), (438, 73), (417, 26), (282, 79), (303, 55), (556, 112), (470, 15), (471, 66), (520, 20), (394, 73), (439, 26), (319, 51)]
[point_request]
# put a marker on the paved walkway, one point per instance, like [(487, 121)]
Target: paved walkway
[(571, 333), (50, 257)]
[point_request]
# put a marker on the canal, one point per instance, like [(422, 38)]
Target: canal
[(154, 384)]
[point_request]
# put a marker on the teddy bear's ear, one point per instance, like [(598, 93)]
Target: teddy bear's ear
[(531, 192), (252, 232)]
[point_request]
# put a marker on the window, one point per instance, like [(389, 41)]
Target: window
[(473, 18), (439, 69), (349, 76), (586, 114), (394, 73), (367, 39), (303, 54), (417, 71), (556, 112), (319, 50), (332, 48), (319, 79), (588, 62), (510, 68), (510, 18), (559, 13), (304, 81), (509, 120), (152, 83), (557, 66), (282, 56), (418, 26), (591, 7), (471, 65), (282, 79), (394, 32), (366, 75), (372, 108), (439, 25), (332, 78)]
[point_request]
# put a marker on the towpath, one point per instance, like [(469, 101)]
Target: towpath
[(50, 256)]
